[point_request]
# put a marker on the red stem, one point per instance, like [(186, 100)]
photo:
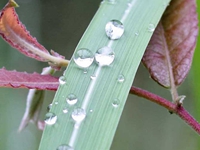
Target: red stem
[(179, 110)]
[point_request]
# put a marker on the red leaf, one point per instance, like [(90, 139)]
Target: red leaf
[(15, 33), (16, 79), (169, 54)]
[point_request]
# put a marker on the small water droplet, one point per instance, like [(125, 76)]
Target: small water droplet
[(56, 103), (115, 103), (50, 118), (109, 1), (85, 71), (93, 77), (91, 110), (49, 107), (65, 110), (114, 29), (121, 78), (136, 33), (104, 56), (83, 58), (64, 147), (129, 4), (62, 80), (78, 114), (71, 99), (151, 27)]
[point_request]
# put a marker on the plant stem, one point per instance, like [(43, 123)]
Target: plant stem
[(177, 109)]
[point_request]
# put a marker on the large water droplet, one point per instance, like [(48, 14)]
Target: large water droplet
[(62, 80), (50, 118), (78, 114), (114, 29), (115, 103), (151, 27), (83, 58), (121, 78), (71, 99), (104, 56), (64, 147)]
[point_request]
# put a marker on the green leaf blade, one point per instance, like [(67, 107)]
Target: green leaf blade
[(98, 128)]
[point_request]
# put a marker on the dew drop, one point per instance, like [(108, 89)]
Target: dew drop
[(85, 71), (78, 114), (56, 103), (91, 110), (115, 103), (136, 33), (50, 118), (49, 107), (64, 147), (151, 27), (83, 58), (114, 29), (121, 78), (109, 1), (104, 56), (65, 110), (62, 80), (93, 77), (71, 99)]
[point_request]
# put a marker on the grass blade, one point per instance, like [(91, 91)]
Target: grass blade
[(103, 97)]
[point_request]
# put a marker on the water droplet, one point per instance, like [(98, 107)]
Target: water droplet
[(151, 27), (85, 71), (50, 118), (65, 110), (62, 80), (115, 103), (114, 29), (136, 33), (64, 147), (49, 107), (91, 110), (79, 114), (104, 56), (121, 78), (56, 103), (93, 77), (109, 1), (83, 58), (71, 99)]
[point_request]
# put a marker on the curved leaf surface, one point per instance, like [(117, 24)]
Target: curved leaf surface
[(169, 54)]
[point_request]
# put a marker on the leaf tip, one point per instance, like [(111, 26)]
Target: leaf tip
[(12, 3)]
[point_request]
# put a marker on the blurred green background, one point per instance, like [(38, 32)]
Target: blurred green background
[(59, 25)]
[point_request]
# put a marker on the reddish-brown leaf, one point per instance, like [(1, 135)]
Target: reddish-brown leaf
[(169, 54), (15, 33), (16, 79)]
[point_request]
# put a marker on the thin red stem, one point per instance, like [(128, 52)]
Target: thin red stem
[(179, 110)]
